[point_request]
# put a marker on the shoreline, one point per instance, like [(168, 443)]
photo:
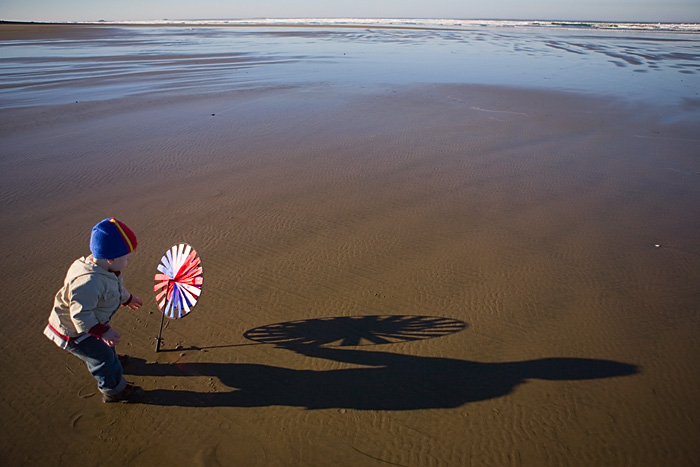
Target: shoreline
[(659, 72)]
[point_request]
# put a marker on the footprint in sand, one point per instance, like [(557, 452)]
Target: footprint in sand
[(90, 421), (86, 392)]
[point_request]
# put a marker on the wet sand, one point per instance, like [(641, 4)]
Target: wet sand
[(425, 275)]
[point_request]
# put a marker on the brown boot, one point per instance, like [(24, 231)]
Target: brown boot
[(124, 360), (130, 393)]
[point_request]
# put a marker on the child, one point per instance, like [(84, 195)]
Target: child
[(92, 292)]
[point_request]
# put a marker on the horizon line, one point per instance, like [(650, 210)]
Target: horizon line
[(332, 18)]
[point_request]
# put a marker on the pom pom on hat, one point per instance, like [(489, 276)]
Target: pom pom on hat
[(111, 239)]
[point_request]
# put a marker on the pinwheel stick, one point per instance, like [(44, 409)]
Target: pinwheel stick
[(160, 331)]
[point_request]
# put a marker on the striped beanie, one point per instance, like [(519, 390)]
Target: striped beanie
[(111, 239)]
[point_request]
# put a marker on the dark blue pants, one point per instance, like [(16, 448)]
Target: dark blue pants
[(102, 362)]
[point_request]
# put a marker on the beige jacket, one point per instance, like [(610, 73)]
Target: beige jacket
[(90, 295)]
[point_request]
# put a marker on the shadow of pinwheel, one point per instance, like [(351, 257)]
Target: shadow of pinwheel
[(355, 330)]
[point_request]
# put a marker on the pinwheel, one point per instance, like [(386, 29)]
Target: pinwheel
[(178, 283)]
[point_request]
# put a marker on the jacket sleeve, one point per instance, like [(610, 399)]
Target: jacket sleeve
[(84, 294)]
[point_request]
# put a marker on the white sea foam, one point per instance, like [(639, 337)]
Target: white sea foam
[(422, 23)]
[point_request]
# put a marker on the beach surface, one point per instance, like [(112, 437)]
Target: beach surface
[(403, 273)]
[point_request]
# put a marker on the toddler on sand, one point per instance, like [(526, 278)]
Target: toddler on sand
[(92, 292)]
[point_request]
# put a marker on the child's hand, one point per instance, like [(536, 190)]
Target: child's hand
[(135, 303), (111, 337)]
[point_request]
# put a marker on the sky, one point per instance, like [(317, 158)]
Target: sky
[(593, 10)]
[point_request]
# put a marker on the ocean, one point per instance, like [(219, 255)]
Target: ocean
[(651, 63)]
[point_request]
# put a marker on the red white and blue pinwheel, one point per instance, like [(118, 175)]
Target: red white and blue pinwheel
[(178, 283)]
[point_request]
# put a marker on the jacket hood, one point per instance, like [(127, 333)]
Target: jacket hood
[(87, 265)]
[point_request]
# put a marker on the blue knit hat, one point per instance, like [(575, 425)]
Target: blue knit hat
[(111, 239)]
